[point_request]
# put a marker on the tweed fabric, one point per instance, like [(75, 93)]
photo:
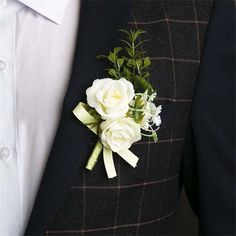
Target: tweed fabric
[(140, 201)]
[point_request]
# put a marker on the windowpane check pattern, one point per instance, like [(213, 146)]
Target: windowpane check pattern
[(142, 201)]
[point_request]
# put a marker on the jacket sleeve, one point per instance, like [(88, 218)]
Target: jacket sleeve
[(208, 166)]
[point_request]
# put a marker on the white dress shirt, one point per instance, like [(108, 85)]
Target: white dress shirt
[(37, 42)]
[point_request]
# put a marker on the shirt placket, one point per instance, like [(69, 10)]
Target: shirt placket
[(10, 194)]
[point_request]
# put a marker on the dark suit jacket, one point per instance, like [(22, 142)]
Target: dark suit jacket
[(140, 201), (209, 154)]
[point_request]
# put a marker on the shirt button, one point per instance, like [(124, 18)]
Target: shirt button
[(5, 153), (2, 65)]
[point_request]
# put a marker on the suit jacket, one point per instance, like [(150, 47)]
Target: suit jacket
[(208, 165), (140, 201)]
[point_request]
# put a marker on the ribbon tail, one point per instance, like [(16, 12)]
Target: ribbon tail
[(94, 156), (109, 163), (129, 157)]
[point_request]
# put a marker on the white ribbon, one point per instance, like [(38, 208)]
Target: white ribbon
[(83, 115)]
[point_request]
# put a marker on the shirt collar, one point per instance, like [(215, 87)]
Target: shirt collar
[(51, 9)]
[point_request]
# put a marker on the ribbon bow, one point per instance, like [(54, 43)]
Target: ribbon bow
[(87, 119)]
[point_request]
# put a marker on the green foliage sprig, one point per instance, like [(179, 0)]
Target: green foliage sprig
[(129, 62)]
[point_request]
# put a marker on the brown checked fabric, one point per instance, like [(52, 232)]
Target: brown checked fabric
[(142, 201)]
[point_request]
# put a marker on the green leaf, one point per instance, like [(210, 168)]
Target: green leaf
[(113, 73), (124, 31), (117, 50), (139, 54), (138, 116), (131, 63), (129, 51), (139, 102), (146, 62), (101, 56), (126, 42), (137, 33), (141, 42), (120, 62), (146, 75), (144, 84), (139, 63), (138, 105), (112, 57), (127, 72)]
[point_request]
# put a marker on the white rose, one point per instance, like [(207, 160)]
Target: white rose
[(119, 134), (110, 98)]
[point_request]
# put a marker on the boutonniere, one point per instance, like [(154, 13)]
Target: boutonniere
[(120, 109)]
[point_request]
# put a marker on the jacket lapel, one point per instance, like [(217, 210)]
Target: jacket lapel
[(99, 22)]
